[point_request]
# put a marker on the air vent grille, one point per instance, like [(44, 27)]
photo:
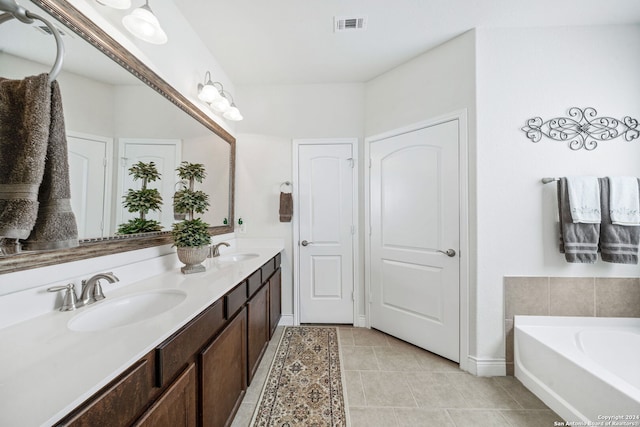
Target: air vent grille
[(46, 30), (342, 23)]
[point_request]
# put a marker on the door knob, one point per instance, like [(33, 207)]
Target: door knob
[(305, 243), (448, 252)]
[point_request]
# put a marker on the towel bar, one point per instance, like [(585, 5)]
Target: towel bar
[(548, 180)]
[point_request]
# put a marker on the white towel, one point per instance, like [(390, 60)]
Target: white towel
[(584, 199), (624, 200)]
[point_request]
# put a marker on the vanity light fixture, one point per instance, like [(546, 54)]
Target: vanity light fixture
[(233, 113), (217, 98), (116, 4), (143, 24), (208, 92)]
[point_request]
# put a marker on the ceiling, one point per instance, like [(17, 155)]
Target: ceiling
[(292, 41)]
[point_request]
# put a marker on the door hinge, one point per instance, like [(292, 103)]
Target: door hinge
[(352, 162), (353, 229), (104, 162), (353, 296), (370, 162)]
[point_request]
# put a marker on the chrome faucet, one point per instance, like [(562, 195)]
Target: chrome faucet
[(91, 289), (214, 250)]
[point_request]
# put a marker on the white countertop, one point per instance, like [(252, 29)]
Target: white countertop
[(47, 370)]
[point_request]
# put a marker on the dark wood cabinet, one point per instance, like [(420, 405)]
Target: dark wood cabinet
[(275, 301), (199, 375), (177, 406), (178, 350), (223, 379), (257, 328), (121, 402)]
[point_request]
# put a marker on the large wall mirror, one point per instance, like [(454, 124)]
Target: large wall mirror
[(117, 112)]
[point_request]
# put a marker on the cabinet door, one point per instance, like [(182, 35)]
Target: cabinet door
[(120, 402), (224, 373), (275, 283), (177, 406), (258, 328)]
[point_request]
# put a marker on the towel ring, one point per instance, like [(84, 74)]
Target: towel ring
[(286, 183), (13, 10)]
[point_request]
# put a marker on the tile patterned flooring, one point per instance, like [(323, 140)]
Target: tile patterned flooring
[(391, 383)]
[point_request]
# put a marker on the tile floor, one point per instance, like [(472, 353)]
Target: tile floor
[(391, 383)]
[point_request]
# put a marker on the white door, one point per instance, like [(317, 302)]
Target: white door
[(414, 218), (326, 233), (90, 177), (166, 155)]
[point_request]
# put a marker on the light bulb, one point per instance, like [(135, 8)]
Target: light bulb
[(208, 93), (233, 114), (221, 104), (142, 23)]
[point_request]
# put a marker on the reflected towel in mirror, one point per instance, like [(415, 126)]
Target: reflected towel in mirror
[(24, 129), (55, 226)]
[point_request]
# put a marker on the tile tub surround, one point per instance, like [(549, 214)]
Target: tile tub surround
[(567, 296)]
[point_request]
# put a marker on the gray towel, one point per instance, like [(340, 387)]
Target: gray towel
[(24, 130), (618, 243), (578, 242), (55, 226), (286, 207)]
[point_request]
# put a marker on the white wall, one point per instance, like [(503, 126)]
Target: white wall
[(274, 116), (437, 82), (182, 61), (522, 73), (95, 118)]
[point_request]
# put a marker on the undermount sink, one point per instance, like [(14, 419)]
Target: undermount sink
[(237, 257), (126, 310)]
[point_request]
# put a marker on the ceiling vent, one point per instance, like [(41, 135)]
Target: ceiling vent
[(342, 24), (46, 30)]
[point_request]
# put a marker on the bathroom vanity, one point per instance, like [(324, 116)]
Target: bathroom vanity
[(188, 365)]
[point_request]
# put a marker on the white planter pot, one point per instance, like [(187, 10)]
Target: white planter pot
[(192, 258)]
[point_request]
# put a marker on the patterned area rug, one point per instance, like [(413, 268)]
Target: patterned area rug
[(304, 385)]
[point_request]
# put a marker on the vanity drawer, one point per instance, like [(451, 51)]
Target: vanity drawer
[(235, 299), (121, 401), (253, 283), (268, 268), (174, 353)]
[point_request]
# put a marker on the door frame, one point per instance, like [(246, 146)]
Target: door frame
[(295, 222), (108, 226), (463, 175)]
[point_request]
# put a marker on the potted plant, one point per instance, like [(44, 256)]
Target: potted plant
[(191, 236), (143, 201)]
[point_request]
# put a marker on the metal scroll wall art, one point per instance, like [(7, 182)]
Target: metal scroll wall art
[(583, 129)]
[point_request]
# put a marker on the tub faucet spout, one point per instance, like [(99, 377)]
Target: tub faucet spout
[(91, 289)]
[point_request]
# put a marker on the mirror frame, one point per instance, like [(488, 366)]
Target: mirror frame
[(71, 17)]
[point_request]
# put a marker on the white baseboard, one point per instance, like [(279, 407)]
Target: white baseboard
[(286, 320), (482, 367), (361, 322)]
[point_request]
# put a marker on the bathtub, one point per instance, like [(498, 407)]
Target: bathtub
[(587, 369)]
